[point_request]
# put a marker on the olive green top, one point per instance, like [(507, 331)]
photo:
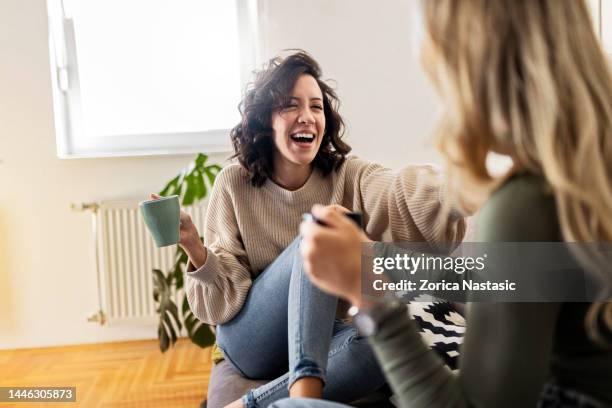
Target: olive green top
[(510, 350)]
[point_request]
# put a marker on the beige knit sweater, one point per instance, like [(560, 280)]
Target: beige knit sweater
[(248, 227)]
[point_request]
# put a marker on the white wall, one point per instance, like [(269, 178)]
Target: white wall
[(47, 275)]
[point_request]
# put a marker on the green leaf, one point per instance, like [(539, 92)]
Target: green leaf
[(199, 333), (200, 192), (211, 172), (202, 335), (179, 189), (173, 310), (159, 282), (189, 196), (200, 160), (192, 324), (164, 340), (177, 275), (179, 267), (185, 306), (169, 324), (179, 253), (170, 187)]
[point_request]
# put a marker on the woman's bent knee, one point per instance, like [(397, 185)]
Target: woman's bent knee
[(251, 360)]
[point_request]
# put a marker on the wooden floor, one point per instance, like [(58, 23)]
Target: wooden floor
[(117, 375)]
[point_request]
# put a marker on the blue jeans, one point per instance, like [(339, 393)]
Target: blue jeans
[(287, 330)]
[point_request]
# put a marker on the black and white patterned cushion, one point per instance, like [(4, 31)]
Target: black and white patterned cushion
[(442, 328)]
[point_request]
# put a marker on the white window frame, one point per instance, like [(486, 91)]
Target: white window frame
[(67, 96)]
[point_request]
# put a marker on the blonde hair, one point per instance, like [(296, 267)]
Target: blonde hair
[(528, 78)]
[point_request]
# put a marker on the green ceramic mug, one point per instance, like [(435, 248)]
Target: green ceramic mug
[(162, 217)]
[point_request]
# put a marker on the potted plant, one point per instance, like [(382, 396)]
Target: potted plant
[(191, 185)]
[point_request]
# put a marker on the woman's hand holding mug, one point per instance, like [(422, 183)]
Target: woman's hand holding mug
[(189, 238)]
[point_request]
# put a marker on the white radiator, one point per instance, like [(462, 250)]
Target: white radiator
[(125, 256)]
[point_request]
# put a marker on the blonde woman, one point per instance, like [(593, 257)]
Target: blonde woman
[(527, 79)]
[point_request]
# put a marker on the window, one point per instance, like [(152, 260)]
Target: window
[(143, 77)]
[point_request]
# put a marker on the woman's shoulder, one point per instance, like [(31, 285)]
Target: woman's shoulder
[(354, 162), (233, 173), (422, 174), (353, 167), (232, 178), (521, 209), (522, 193)]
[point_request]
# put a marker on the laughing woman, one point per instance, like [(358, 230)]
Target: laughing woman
[(247, 278)]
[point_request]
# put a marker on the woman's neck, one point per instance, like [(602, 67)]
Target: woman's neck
[(291, 176)]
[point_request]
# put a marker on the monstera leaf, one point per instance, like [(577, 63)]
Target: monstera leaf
[(169, 322), (180, 264), (190, 184), (199, 333)]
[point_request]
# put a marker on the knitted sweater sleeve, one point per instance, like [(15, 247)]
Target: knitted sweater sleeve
[(217, 290), (407, 203)]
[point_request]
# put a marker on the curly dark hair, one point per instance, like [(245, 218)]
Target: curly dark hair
[(253, 137)]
